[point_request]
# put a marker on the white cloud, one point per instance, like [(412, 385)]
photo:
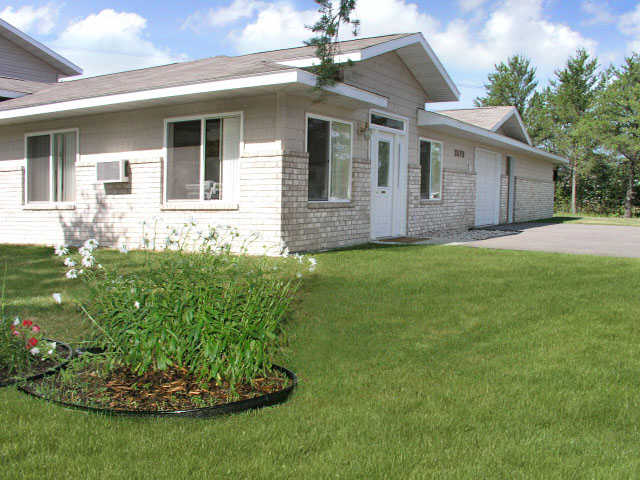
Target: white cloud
[(40, 20), (512, 26), (218, 17), (599, 12), (111, 41), (629, 25), (470, 5), (277, 25)]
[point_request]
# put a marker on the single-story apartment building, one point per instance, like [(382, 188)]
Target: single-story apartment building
[(248, 142)]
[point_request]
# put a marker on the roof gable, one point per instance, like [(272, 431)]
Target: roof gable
[(64, 67), (504, 120)]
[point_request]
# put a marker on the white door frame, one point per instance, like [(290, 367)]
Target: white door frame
[(497, 193), (399, 173)]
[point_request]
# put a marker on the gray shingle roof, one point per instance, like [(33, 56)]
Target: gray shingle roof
[(183, 73), (484, 117), (22, 86)]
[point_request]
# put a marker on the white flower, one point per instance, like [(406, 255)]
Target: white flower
[(312, 268), (16, 322), (84, 251), (100, 266), (80, 272), (61, 250), (88, 261), (35, 351), (137, 305), (285, 252), (312, 261), (72, 274), (123, 248), (57, 298), (69, 262), (299, 275), (91, 244)]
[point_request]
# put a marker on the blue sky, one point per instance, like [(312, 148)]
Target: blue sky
[(469, 36)]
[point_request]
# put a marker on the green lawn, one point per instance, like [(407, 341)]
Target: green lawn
[(593, 220), (414, 362)]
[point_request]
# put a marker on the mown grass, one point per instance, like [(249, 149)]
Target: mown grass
[(562, 217), (414, 362)]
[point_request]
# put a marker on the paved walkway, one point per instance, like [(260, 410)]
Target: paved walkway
[(605, 240)]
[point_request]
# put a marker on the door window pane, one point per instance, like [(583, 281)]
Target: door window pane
[(183, 160), (387, 122), (436, 170), (340, 160), (384, 160), (38, 166), (213, 160), (318, 147), (64, 162)]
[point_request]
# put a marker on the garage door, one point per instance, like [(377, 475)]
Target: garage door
[(487, 187)]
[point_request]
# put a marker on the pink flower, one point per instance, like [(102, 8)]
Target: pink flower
[(16, 333), (35, 329)]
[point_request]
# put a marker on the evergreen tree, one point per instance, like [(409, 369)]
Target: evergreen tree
[(512, 83), (572, 96), (615, 122), (327, 30)]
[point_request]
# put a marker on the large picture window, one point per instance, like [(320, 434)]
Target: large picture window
[(430, 170), (202, 157), (329, 148), (51, 166)]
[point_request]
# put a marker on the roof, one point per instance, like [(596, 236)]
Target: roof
[(446, 123), (12, 87), (64, 67), (502, 119), (216, 69)]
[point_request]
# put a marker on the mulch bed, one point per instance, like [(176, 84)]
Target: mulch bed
[(172, 389), (37, 368)]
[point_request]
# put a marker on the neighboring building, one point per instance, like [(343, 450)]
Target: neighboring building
[(27, 66), (246, 141)]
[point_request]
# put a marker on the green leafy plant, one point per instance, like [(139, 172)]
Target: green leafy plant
[(214, 313)]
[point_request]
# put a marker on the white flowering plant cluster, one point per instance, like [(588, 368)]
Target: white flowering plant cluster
[(191, 302)]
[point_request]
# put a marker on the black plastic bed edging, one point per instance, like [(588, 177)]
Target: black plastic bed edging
[(46, 373), (266, 400)]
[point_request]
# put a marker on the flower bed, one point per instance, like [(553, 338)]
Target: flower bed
[(187, 329), (25, 354)]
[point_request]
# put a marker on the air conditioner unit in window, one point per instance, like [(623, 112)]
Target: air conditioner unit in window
[(112, 171)]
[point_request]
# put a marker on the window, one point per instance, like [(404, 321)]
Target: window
[(51, 166), (329, 148), (387, 122), (430, 170), (202, 158)]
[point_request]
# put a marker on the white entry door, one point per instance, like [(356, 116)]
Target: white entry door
[(487, 187), (383, 166)]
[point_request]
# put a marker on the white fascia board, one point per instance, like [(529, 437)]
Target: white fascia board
[(310, 79), (398, 43), (513, 113), (45, 53), (11, 94), (427, 119), (265, 80), (307, 62)]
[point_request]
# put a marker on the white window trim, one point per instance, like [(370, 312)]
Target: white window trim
[(224, 203), (306, 149), (382, 113), (50, 204), (441, 143)]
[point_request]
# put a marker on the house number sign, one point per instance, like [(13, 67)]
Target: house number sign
[(458, 153)]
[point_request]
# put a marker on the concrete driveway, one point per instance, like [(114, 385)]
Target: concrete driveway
[(605, 240)]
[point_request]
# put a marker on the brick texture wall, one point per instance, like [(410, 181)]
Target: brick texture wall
[(533, 199)]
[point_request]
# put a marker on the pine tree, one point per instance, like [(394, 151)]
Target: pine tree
[(615, 122), (572, 97), (327, 30), (513, 83)]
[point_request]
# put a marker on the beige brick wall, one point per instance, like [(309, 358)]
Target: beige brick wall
[(533, 199), (114, 213)]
